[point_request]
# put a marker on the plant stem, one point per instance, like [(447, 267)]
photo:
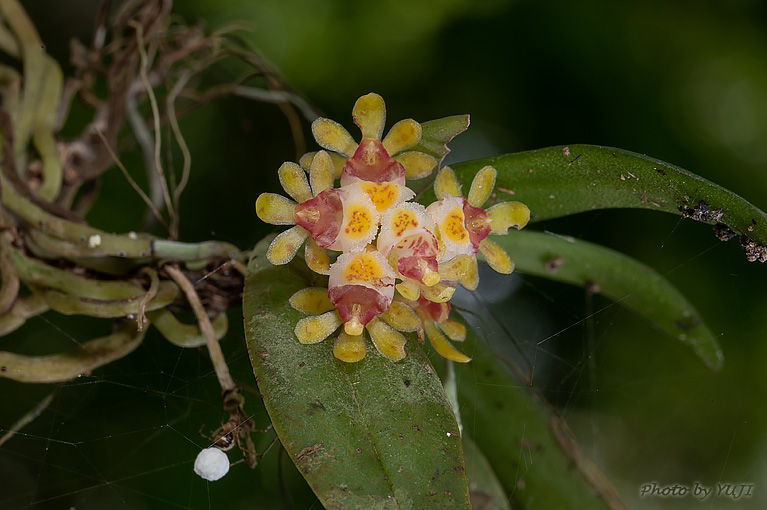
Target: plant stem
[(214, 349)]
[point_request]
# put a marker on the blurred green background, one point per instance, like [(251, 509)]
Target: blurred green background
[(685, 82)]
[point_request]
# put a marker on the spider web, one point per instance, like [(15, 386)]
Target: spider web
[(639, 403)]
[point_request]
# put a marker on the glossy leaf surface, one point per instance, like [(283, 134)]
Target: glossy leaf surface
[(559, 181), (372, 434)]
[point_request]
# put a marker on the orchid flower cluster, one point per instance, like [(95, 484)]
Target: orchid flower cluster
[(393, 264)]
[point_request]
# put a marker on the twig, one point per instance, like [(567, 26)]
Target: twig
[(156, 116), (173, 120), (28, 417), (133, 183), (276, 96), (144, 140), (214, 349)]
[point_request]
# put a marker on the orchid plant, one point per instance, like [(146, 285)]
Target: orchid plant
[(391, 255), (389, 234)]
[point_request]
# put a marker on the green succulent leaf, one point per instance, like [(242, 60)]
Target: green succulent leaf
[(374, 434), (528, 445), (564, 180), (618, 277), (83, 359)]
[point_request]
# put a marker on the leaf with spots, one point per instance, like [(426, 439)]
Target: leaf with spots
[(560, 181), (372, 434)]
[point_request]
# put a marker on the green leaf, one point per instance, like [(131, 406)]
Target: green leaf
[(484, 487), (618, 277), (559, 181), (436, 134), (528, 445), (374, 434)]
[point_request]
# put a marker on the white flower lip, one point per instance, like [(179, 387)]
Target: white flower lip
[(455, 241), (418, 221), (361, 220), (384, 284)]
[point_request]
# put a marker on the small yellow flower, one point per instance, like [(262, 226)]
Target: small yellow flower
[(463, 226), (350, 347), (279, 210), (361, 286), (369, 115), (407, 240), (399, 262)]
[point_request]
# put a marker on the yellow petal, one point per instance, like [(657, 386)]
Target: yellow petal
[(508, 214), (402, 136), (455, 268), (348, 348), (389, 342), (306, 160), (316, 257), (321, 172), (417, 164), (284, 247), (446, 182), (338, 162), (441, 345), (439, 293), (409, 289), (401, 317), (311, 301), (293, 180), (332, 136), (482, 186), (454, 330), (317, 328), (369, 114), (496, 257), (275, 209), (470, 279)]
